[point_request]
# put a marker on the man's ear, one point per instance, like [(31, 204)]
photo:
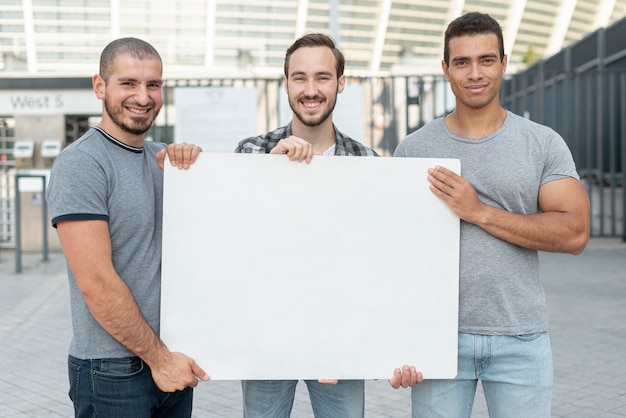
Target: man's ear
[(445, 69), (341, 83), (99, 86), (505, 62)]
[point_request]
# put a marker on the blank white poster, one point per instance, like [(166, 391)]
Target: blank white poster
[(342, 268)]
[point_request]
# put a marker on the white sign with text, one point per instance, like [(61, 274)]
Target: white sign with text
[(49, 102)]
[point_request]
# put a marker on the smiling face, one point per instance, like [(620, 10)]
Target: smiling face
[(475, 71), (132, 97), (312, 85)]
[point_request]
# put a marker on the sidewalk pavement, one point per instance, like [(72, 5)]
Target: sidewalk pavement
[(586, 298)]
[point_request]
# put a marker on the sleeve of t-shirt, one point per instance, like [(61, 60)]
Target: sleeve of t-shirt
[(77, 189), (559, 161)]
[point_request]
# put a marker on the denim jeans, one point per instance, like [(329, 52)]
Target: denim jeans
[(122, 387), (274, 398), (515, 372)]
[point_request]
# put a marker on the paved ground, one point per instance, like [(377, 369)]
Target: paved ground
[(586, 297)]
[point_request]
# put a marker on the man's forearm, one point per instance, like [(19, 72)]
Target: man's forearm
[(116, 310), (552, 231)]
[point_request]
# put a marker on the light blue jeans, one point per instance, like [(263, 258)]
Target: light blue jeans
[(274, 398), (516, 375)]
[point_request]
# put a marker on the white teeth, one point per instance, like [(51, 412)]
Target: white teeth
[(138, 111)]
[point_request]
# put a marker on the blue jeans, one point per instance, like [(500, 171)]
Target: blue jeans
[(122, 387), (515, 371), (274, 398)]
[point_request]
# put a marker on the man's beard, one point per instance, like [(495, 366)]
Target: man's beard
[(315, 121), (116, 113)]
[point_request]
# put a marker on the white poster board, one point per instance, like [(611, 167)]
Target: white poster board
[(215, 118), (342, 268)]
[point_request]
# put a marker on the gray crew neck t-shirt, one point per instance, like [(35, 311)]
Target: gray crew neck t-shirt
[(500, 290), (100, 178)]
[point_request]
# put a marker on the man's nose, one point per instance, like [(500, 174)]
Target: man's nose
[(310, 89), (475, 70), (143, 98)]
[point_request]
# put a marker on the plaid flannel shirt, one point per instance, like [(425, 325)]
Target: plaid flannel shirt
[(263, 144)]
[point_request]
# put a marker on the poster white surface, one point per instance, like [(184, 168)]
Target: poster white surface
[(216, 118), (342, 268)]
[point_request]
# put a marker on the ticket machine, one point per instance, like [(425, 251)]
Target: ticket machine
[(24, 154), (50, 148)]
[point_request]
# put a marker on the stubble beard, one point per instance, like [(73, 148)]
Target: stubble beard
[(312, 122), (116, 113)]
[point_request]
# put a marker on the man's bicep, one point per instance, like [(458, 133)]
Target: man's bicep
[(87, 247), (565, 195)]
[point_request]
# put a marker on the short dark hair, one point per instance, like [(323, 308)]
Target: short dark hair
[(312, 40), (473, 23), (133, 47)]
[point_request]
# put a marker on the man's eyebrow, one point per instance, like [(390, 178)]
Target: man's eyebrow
[(134, 80), (317, 73), (464, 58)]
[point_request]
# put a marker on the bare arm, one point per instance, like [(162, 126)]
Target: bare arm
[(87, 248), (562, 225)]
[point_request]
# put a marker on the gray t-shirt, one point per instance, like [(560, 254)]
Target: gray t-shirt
[(500, 291), (98, 177)]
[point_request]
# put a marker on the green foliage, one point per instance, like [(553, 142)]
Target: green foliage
[(530, 57)]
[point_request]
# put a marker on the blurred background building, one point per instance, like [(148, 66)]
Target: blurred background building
[(223, 63), (216, 37)]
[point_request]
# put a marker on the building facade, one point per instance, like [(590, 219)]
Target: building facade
[(217, 37)]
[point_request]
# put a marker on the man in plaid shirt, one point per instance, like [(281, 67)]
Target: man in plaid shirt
[(263, 144), (313, 78)]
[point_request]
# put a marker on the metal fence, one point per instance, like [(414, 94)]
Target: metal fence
[(589, 110), (7, 208), (392, 106)]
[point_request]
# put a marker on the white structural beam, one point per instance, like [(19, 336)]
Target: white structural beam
[(512, 24), (456, 9), (303, 10), (114, 7), (209, 34), (379, 46), (561, 24), (335, 26), (605, 9), (29, 35)]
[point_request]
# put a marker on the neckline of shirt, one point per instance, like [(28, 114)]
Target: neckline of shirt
[(118, 142)]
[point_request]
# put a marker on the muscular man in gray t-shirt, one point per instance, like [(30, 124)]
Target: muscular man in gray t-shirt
[(101, 169), (500, 292), (518, 193), (105, 198)]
